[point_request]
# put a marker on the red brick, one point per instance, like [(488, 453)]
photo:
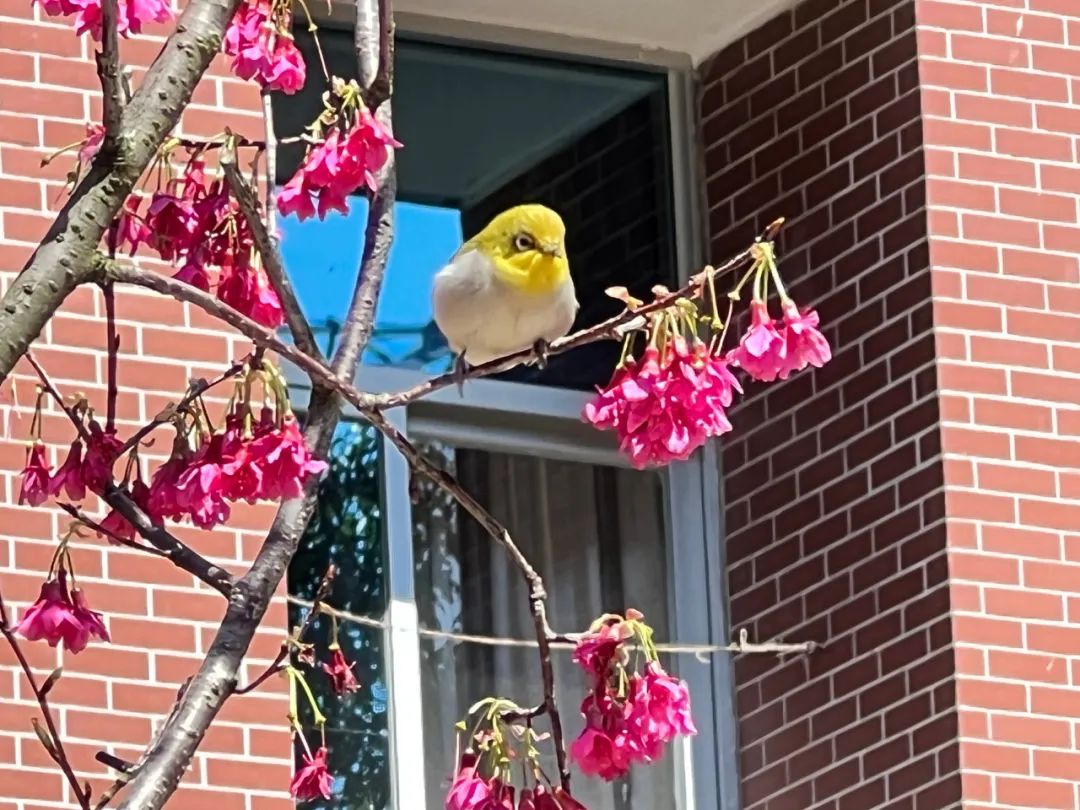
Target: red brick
[(1000, 229), (980, 568), (1055, 207), (1029, 26), (1024, 84), (990, 694), (1018, 792), (990, 51), (954, 76)]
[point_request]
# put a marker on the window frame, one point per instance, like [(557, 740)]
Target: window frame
[(523, 418)]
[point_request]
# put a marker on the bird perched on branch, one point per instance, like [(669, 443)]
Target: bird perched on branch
[(507, 289)]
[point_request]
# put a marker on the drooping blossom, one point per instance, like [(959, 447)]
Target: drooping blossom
[(263, 49), (629, 716), (340, 672), (667, 404), (164, 494), (95, 136), (283, 459), (313, 780), (59, 615), (803, 343), (336, 168), (69, 478), (469, 791), (541, 798), (247, 290), (762, 351), (118, 526), (194, 274), (131, 229), (173, 222), (200, 489), (35, 476), (102, 450)]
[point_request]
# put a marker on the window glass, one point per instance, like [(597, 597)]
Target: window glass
[(596, 534), (346, 530)]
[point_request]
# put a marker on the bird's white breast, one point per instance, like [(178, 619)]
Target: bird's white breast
[(485, 317)]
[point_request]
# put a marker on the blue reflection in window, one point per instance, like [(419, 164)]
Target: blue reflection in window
[(322, 257)]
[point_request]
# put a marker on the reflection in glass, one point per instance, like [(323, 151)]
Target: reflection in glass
[(346, 531), (594, 533)]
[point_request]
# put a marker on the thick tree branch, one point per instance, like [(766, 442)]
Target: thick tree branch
[(248, 201), (64, 259)]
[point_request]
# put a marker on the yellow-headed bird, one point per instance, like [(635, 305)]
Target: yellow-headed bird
[(507, 289)]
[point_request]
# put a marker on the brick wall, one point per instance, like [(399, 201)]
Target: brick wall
[(1001, 99), (111, 696), (833, 480)]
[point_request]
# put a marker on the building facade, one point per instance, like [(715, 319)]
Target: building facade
[(914, 506)]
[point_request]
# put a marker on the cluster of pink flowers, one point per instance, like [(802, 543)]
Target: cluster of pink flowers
[(60, 614), (131, 15), (200, 227), (629, 717), (335, 168), (340, 671), (261, 44), (269, 462), (472, 791), (81, 470), (313, 780), (767, 353), (667, 404)]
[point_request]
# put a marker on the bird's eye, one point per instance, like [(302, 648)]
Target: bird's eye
[(523, 242)]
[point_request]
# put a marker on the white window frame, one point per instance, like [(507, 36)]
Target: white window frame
[(540, 421)]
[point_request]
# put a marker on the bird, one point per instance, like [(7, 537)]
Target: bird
[(507, 289)]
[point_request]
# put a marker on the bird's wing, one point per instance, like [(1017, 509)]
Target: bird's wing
[(458, 298)]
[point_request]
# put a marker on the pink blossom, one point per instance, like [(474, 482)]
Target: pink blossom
[(173, 224), (194, 274), (595, 651), (313, 780), (263, 49), (666, 405), (59, 8), (200, 491), (131, 15), (130, 227), (660, 705), (804, 344), (95, 136), (69, 478), (598, 754), (336, 168), (101, 452), (548, 800), (35, 476), (284, 459), (248, 291), (469, 790), (164, 498), (762, 352), (54, 617), (340, 672)]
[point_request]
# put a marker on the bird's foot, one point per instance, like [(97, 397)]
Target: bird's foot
[(540, 349), (461, 368)]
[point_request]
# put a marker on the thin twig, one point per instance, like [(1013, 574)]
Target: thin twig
[(52, 391), (297, 638), (108, 67), (72, 510), (501, 535), (195, 390), (56, 750), (112, 341), (266, 244)]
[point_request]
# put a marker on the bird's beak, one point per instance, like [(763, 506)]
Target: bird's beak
[(552, 249)]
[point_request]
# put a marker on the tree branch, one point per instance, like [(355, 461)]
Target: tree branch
[(64, 259), (55, 746), (248, 201), (108, 68), (501, 535)]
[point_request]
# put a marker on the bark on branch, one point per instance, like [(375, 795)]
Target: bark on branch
[(64, 259)]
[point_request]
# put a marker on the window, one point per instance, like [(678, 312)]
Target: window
[(483, 131)]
